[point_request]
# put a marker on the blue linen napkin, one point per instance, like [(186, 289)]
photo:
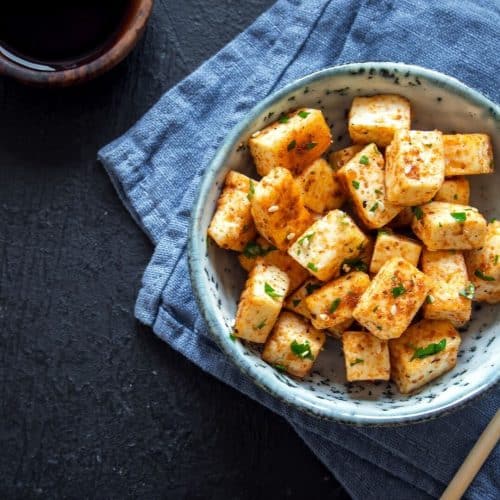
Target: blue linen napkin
[(156, 169)]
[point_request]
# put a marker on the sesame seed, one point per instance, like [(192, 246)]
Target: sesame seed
[(255, 134), (408, 169), (290, 236), (323, 317), (394, 309), (273, 208), (346, 268)]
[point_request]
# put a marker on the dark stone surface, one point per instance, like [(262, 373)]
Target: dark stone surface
[(92, 404)]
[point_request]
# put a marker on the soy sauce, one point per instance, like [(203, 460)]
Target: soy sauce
[(55, 35)]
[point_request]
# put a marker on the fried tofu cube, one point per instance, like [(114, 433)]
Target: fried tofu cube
[(414, 166), (468, 154), (450, 294), (320, 187), (483, 266), (260, 251), (403, 219), (339, 158), (293, 345), (324, 247), (296, 301), (293, 142), (366, 357), (425, 351), (278, 208), (392, 299), (449, 226), (332, 305), (454, 190), (260, 303), (232, 226), (363, 180), (389, 244), (377, 118)]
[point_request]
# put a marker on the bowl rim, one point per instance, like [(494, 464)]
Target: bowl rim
[(319, 408)]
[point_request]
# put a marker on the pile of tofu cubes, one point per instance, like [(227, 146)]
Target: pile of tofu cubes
[(376, 245)]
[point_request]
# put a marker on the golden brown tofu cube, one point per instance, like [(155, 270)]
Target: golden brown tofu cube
[(393, 298), (483, 265), (339, 158), (450, 294), (260, 303), (292, 142), (324, 247), (425, 351), (332, 305), (320, 187), (377, 118), (260, 251), (232, 226), (454, 190), (366, 357), (296, 301), (278, 208), (414, 167), (403, 219), (293, 345), (449, 226), (389, 244), (468, 154), (363, 180)]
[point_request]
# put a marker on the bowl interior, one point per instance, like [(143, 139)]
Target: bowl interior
[(437, 102)]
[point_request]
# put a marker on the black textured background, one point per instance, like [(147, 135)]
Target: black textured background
[(92, 404)]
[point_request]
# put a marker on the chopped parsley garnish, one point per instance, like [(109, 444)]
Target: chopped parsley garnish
[(468, 291), (378, 192), (374, 207), (364, 160), (311, 145), (302, 350), (383, 231), (251, 189), (296, 302), (311, 287), (493, 220), (398, 290), (355, 184), (357, 361), (291, 145), (271, 291), (417, 212), (483, 276), (283, 119), (306, 237), (357, 264), (312, 267), (303, 114), (334, 305), (232, 336), (459, 216), (429, 299), (253, 249), (261, 325), (423, 352), (495, 261), (280, 368)]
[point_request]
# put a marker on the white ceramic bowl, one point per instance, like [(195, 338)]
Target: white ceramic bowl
[(438, 101)]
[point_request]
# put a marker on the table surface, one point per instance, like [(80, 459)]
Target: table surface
[(93, 404)]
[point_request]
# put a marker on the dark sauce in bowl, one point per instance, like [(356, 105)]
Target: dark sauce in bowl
[(55, 35)]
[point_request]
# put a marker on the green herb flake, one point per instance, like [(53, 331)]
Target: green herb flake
[(429, 299), (399, 290), (417, 212), (311, 287), (364, 160), (374, 207), (291, 145), (495, 260), (483, 276), (302, 350), (312, 267), (280, 368), (271, 291), (455, 196), (232, 336), (356, 264), (251, 190), (283, 119), (492, 220), (430, 350), (306, 237), (468, 291), (383, 231), (303, 114), (378, 192), (355, 184), (296, 302), (311, 145), (357, 361), (261, 325), (459, 216), (334, 305), (253, 249)]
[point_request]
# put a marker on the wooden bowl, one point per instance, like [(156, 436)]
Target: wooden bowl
[(129, 34)]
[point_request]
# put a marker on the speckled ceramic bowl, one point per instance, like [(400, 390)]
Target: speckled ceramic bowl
[(438, 101)]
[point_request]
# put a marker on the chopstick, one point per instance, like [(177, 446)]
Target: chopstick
[(474, 460)]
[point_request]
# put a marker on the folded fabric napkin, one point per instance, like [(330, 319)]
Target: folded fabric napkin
[(156, 168)]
